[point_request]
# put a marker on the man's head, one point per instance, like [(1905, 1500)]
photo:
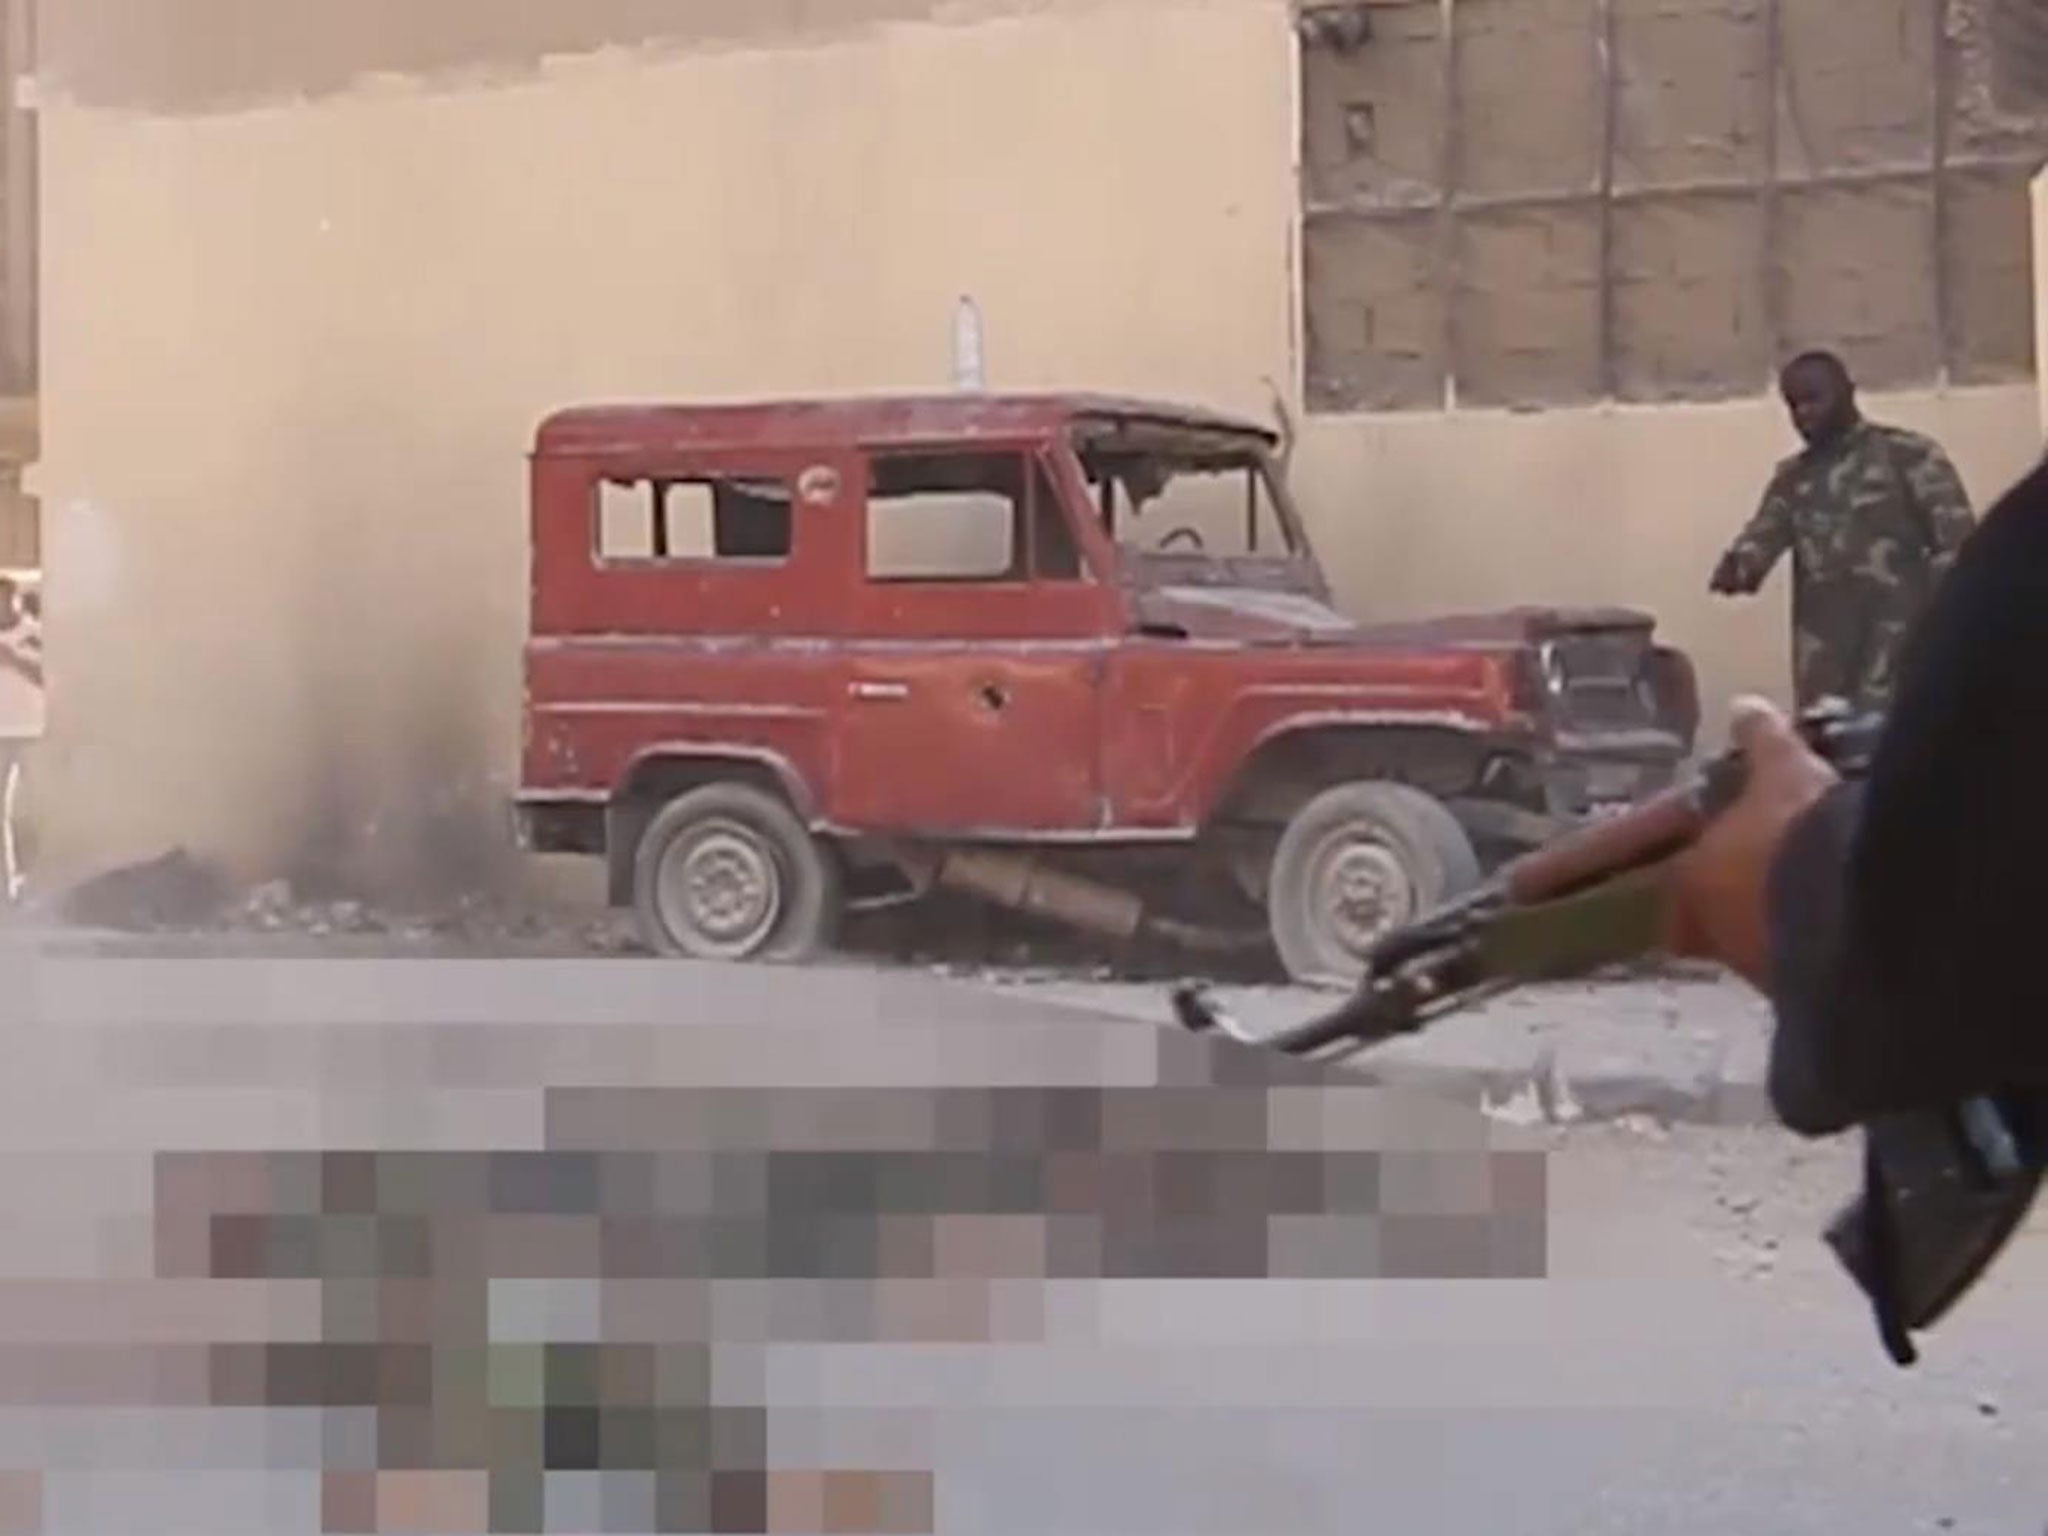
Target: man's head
[(1820, 395)]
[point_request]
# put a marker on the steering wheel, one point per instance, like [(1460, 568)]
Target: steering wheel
[(1188, 535)]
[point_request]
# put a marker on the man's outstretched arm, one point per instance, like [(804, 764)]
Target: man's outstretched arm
[(1762, 541)]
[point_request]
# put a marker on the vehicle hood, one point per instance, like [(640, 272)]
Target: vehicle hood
[(1292, 618)]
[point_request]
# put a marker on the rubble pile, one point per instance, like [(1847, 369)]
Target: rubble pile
[(472, 922), (177, 893)]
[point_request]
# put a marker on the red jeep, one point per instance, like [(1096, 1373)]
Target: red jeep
[(1068, 653)]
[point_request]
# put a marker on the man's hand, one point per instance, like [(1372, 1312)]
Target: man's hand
[(1717, 909), (1729, 578)]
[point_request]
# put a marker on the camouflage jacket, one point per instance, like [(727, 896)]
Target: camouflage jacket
[(1872, 522)]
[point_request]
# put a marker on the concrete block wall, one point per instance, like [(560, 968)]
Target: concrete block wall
[(1659, 200), (1694, 91)]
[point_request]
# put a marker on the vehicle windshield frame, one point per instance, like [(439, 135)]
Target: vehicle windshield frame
[(1195, 445)]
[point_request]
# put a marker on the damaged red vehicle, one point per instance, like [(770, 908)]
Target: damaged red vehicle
[(1071, 654)]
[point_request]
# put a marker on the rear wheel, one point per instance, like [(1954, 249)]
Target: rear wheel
[(727, 872), (1356, 861)]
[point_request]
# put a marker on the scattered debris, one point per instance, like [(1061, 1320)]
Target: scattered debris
[(1522, 1107), (175, 890), (180, 894), (1553, 1090)]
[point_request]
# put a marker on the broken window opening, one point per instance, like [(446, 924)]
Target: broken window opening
[(1181, 492), (992, 517), (649, 518)]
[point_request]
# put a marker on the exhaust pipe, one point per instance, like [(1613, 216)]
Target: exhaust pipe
[(1023, 883)]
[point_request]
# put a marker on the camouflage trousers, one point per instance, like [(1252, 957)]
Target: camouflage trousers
[(1862, 671)]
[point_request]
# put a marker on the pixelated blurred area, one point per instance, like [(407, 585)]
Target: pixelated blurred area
[(547, 1339), (447, 1249), (21, 1503), (535, 1330)]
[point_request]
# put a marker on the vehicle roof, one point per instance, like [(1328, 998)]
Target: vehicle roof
[(855, 420)]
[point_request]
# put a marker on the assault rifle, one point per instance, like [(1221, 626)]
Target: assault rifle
[(1944, 1190)]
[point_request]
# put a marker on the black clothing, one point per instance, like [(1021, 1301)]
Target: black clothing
[(1909, 914)]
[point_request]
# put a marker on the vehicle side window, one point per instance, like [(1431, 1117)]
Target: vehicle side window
[(648, 518), (965, 517)]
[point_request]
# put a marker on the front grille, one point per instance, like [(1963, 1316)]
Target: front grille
[(1615, 657), (1597, 682), (1605, 707)]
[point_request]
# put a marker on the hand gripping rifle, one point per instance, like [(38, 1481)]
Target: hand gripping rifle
[(1944, 1189)]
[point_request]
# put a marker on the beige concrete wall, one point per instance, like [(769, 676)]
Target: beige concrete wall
[(292, 356), (211, 55), (1618, 504)]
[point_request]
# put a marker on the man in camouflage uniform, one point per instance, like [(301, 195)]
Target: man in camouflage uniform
[(1873, 516)]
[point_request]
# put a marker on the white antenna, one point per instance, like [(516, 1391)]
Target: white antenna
[(969, 368)]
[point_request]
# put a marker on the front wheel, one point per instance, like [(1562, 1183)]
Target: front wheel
[(727, 872), (1355, 862)]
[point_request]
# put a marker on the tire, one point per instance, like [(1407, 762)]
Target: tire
[(1379, 834), (782, 892)]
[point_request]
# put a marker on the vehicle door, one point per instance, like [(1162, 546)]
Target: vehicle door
[(688, 604), (973, 661), (1194, 539)]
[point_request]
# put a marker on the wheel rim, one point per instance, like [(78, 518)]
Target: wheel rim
[(1358, 889), (719, 890)]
